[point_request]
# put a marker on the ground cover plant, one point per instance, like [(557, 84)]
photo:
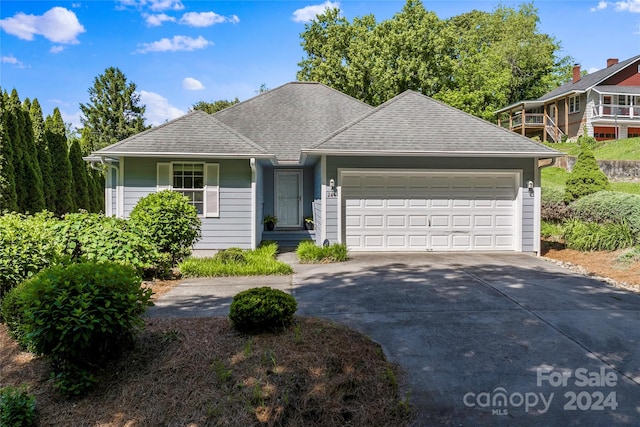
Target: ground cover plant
[(236, 262), (203, 372), (308, 252), (17, 407)]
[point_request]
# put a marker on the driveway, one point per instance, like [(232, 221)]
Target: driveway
[(485, 339)]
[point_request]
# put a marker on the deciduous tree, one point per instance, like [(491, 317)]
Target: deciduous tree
[(215, 106)]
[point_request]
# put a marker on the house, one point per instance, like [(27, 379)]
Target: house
[(410, 175), (606, 103)]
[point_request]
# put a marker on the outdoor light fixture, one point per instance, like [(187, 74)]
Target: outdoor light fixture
[(530, 187)]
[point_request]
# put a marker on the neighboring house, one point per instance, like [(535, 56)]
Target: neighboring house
[(410, 175), (606, 103)]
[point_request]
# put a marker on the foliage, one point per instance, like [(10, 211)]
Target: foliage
[(585, 178), (44, 157), (27, 245), (62, 175), (17, 407), (80, 177), (550, 229), (622, 149), (309, 252), (95, 237), (168, 220), (632, 255), (591, 236), (478, 61), (214, 107), (587, 141), (113, 112), (262, 309), (258, 262), (552, 206), (609, 206), (81, 316), (270, 219)]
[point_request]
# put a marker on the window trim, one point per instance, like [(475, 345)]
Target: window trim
[(210, 189)]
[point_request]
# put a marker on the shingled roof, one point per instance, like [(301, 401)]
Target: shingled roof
[(291, 117), (194, 133), (588, 81), (412, 123)]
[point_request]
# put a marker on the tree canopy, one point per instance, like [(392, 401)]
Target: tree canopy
[(477, 61), (214, 107), (114, 111)]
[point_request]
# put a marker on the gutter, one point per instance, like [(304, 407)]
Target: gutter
[(550, 164)]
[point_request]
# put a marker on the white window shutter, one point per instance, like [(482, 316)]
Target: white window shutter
[(164, 176), (212, 190)]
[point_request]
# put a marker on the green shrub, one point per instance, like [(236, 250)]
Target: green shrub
[(94, 237), (262, 309), (548, 229), (81, 316), (585, 178), (169, 221), (609, 206), (17, 407), (591, 236), (309, 252), (231, 255), (552, 206), (27, 245)]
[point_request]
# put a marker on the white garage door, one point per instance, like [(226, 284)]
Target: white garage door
[(439, 211)]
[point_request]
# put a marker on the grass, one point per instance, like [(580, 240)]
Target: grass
[(621, 149), (309, 252), (202, 372), (554, 178), (236, 262)]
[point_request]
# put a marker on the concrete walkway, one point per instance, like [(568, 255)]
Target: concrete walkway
[(485, 339)]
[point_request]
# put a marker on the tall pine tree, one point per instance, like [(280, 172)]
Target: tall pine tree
[(44, 158), (80, 177), (61, 167)]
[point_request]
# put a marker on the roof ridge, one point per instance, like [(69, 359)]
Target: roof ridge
[(238, 134)]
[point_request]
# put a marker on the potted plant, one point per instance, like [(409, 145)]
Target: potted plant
[(308, 222), (270, 222)]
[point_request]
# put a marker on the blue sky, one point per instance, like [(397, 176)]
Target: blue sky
[(179, 52)]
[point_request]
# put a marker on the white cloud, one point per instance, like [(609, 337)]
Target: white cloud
[(73, 118), (309, 13), (157, 20), (56, 49), (632, 6), (158, 108), (601, 5), (58, 25), (190, 83), (177, 43), (206, 19), (155, 5), (10, 59)]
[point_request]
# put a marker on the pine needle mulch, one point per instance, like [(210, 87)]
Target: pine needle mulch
[(201, 372)]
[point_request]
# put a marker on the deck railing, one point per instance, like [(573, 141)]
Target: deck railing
[(531, 119), (616, 111)]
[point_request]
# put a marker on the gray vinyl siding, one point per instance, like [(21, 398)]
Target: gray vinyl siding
[(527, 166), (231, 228), (259, 202)]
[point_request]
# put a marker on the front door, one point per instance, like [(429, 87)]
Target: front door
[(288, 198)]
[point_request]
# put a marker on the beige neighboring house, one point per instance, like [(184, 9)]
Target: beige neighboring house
[(606, 103)]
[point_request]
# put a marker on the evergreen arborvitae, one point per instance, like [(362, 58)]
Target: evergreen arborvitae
[(585, 178), (44, 158), (61, 167), (96, 191), (80, 177), (8, 196)]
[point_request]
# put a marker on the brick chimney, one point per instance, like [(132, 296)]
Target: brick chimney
[(611, 61), (576, 73)]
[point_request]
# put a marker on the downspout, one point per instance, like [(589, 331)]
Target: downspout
[(254, 214)]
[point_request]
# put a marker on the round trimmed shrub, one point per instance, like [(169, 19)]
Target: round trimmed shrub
[(262, 309), (231, 256), (552, 206), (169, 222), (17, 407), (81, 316)]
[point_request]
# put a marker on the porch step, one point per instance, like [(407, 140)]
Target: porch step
[(288, 238)]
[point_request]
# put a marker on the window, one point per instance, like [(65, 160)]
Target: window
[(197, 181), (188, 179), (574, 104)]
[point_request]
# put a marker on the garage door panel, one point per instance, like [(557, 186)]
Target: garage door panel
[(430, 211)]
